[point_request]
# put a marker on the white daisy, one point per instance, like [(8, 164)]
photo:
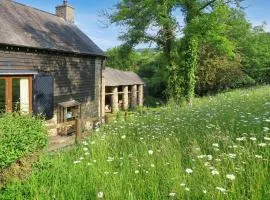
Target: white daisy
[(201, 156), (262, 145), (241, 139), (266, 129), (100, 195), (189, 171), (258, 156), (209, 157), (232, 155), (214, 172), (223, 190), (150, 152), (230, 177), (215, 145), (172, 194), (183, 184)]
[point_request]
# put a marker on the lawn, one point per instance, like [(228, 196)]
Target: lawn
[(217, 149)]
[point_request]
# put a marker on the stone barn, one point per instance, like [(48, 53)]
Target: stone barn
[(48, 65), (123, 90)]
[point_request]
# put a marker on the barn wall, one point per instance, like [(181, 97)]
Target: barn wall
[(75, 77)]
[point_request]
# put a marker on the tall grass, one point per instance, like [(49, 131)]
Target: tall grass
[(217, 149)]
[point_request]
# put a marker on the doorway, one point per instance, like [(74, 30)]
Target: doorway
[(16, 94)]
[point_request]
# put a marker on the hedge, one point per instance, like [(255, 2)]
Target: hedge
[(20, 135)]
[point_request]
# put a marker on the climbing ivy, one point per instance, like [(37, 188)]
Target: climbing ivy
[(191, 58)]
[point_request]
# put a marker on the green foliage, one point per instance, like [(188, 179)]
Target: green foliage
[(148, 63), (122, 58), (256, 55), (149, 22), (175, 83), (191, 58), (150, 101), (221, 34), (228, 53), (213, 29), (217, 73), (147, 156), (19, 136)]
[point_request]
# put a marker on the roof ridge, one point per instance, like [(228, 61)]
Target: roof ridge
[(25, 5)]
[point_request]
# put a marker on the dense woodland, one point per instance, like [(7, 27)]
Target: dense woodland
[(201, 47)]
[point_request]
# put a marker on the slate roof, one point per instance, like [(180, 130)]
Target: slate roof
[(22, 25), (114, 77)]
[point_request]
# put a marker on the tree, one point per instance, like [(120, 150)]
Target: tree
[(147, 63), (118, 58), (219, 34), (148, 21), (256, 55), (205, 24)]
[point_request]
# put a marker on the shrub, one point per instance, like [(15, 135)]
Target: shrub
[(19, 136), (216, 74)]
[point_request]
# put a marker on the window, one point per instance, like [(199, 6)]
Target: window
[(15, 94), (2, 95)]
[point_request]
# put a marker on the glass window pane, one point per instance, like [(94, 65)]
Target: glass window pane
[(15, 94), (20, 94), (24, 95), (2, 95)]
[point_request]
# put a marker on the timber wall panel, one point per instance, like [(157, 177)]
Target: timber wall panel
[(75, 77)]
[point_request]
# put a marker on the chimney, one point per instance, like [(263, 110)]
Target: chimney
[(66, 12)]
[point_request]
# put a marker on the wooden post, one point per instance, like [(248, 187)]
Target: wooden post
[(103, 94), (78, 130), (125, 98), (134, 96), (115, 107), (140, 95)]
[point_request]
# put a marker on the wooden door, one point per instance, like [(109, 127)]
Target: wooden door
[(16, 93)]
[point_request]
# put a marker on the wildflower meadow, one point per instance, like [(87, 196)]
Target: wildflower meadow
[(217, 149)]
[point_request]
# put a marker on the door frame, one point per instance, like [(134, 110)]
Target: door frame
[(8, 81)]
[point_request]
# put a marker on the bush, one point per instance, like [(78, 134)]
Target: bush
[(150, 101), (19, 136), (216, 74)]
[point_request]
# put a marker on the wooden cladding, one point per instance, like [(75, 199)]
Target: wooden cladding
[(75, 76)]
